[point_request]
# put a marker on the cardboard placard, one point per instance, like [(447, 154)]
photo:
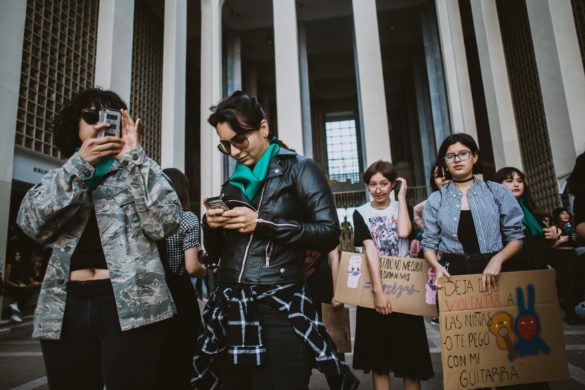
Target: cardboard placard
[(510, 336), (337, 325), (405, 280)]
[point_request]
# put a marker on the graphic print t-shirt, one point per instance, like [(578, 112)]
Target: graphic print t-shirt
[(381, 226)]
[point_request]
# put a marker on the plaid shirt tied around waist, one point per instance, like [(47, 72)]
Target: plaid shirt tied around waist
[(232, 324)]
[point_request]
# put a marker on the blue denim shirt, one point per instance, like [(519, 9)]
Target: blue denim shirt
[(496, 215)]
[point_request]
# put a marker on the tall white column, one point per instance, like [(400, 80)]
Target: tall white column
[(455, 66), (496, 86), (113, 67), (234, 62), (370, 82), (562, 81), (174, 81), (288, 85), (305, 92), (12, 21), (211, 87)]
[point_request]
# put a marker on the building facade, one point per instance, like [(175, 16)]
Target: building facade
[(346, 82)]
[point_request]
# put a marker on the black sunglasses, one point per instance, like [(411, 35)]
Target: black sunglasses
[(91, 116), (240, 141)]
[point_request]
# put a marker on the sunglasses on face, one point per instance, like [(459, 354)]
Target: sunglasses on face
[(91, 116), (240, 141)]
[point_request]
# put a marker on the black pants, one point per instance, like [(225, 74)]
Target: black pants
[(20, 295), (570, 279), (289, 358), (180, 344), (94, 352)]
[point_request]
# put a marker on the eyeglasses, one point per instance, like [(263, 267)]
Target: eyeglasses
[(91, 116), (240, 141), (383, 186), (462, 156)]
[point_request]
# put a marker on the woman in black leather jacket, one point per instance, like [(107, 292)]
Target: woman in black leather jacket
[(261, 325)]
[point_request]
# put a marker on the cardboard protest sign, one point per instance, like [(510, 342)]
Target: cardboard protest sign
[(405, 280), (337, 325), (510, 336)]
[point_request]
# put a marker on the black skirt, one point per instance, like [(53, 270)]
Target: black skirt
[(394, 343)]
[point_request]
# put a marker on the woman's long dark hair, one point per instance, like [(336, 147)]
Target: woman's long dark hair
[(66, 124), (242, 113), (508, 173), (180, 184)]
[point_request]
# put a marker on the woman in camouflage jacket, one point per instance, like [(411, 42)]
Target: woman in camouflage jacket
[(104, 296)]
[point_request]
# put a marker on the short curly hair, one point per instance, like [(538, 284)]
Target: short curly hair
[(66, 123)]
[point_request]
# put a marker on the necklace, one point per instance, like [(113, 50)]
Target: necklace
[(463, 181)]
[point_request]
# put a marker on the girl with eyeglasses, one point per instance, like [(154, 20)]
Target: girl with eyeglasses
[(476, 225), (262, 329), (104, 300), (386, 341)]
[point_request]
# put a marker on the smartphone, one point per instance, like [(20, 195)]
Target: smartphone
[(397, 187), (114, 118), (216, 202)]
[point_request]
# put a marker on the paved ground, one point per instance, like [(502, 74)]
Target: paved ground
[(22, 368)]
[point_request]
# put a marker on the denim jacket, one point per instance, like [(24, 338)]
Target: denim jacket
[(135, 206), (496, 215)]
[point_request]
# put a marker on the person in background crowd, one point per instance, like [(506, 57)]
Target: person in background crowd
[(181, 261), (436, 181), (576, 187), (38, 269), (386, 341), (538, 240), (571, 268), (18, 286), (280, 206), (104, 301)]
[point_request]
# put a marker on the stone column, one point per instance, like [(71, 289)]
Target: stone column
[(435, 76), (113, 67), (370, 82), (12, 22), (498, 96), (562, 81), (211, 87), (234, 62), (288, 85), (305, 93), (455, 67), (174, 81)]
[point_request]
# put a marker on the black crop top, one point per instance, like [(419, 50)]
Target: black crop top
[(466, 233), (89, 252)]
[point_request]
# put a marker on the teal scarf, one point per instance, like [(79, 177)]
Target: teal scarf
[(530, 221), (249, 180), (101, 168)]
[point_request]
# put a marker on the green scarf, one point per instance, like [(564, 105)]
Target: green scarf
[(249, 180), (101, 167), (530, 221)]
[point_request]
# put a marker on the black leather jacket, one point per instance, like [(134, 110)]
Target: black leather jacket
[(295, 213)]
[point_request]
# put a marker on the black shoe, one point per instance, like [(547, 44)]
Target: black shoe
[(349, 382), (435, 321)]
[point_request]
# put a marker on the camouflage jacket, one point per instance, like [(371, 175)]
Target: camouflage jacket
[(135, 206)]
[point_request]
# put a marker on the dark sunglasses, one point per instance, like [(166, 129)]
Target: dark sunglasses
[(91, 116), (240, 141)]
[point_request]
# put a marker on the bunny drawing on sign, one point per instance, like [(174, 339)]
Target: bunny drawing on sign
[(354, 271)]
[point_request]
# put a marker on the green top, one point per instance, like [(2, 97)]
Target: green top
[(530, 221), (249, 180)]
